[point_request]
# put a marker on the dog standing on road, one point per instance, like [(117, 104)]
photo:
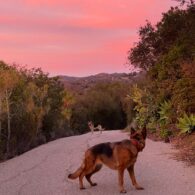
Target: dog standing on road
[(116, 155), (92, 128)]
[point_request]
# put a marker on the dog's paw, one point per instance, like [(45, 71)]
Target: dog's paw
[(139, 187), (82, 188), (123, 191), (94, 184)]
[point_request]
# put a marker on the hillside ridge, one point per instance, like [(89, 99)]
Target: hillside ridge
[(83, 83)]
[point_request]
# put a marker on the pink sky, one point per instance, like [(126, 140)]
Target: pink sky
[(74, 37)]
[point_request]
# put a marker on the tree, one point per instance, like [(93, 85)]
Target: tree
[(9, 81), (32, 107), (143, 54), (102, 104), (188, 2), (166, 53)]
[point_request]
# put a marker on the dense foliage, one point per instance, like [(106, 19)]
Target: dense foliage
[(33, 109), (166, 52), (103, 104)]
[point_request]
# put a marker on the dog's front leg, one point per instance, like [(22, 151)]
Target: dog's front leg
[(121, 180), (132, 176)]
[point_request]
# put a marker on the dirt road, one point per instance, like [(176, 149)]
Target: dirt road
[(44, 170)]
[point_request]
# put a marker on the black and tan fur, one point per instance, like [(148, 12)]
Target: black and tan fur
[(116, 155)]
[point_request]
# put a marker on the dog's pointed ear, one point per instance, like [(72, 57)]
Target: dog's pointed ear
[(144, 132), (132, 131)]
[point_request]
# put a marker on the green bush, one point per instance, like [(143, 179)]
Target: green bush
[(186, 123), (165, 133), (152, 125), (166, 54), (165, 112), (101, 104)]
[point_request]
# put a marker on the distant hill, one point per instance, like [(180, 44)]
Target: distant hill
[(83, 83)]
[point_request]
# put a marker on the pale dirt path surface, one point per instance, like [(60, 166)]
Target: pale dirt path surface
[(44, 170)]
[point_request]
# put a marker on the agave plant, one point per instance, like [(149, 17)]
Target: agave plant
[(165, 112), (186, 123)]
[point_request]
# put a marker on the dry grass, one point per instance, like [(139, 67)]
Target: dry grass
[(186, 146)]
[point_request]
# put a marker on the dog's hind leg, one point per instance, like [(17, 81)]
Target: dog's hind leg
[(132, 176), (89, 162), (88, 176), (81, 181)]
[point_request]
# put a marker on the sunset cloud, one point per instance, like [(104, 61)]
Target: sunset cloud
[(75, 37)]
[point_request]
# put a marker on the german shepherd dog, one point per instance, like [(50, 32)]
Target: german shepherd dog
[(116, 155)]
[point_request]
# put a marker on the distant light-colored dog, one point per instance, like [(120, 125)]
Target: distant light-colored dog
[(92, 128)]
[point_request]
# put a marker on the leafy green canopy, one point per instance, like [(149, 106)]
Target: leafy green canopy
[(101, 104), (166, 52), (33, 109)]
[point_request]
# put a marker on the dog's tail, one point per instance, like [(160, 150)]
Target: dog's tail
[(78, 172)]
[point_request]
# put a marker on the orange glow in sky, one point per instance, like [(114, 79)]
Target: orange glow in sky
[(74, 37)]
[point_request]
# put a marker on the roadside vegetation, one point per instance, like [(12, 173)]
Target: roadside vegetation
[(34, 109), (166, 52), (103, 104), (165, 99)]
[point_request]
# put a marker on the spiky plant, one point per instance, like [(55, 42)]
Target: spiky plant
[(165, 112), (186, 123)]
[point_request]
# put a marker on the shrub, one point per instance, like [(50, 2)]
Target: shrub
[(165, 133), (186, 123), (165, 112)]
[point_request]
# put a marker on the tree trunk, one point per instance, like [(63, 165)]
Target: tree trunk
[(8, 123)]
